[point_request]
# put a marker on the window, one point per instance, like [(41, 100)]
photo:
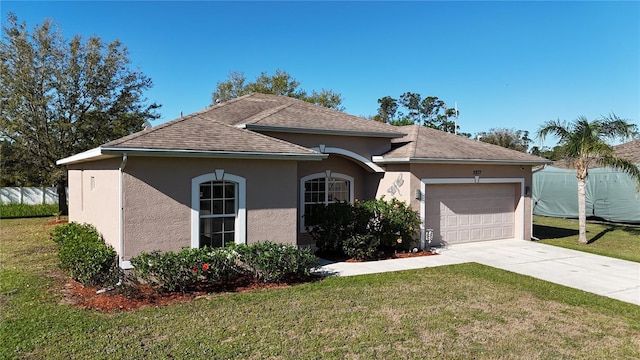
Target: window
[(321, 189), (218, 210)]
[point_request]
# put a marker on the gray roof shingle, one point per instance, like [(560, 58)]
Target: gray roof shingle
[(629, 151), (423, 144), (265, 112), (196, 133)]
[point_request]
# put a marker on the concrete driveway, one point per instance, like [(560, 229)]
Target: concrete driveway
[(614, 278)]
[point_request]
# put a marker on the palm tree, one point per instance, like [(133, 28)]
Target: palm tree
[(585, 145)]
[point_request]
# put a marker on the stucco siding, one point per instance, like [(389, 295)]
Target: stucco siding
[(364, 146), (158, 200), (94, 197)]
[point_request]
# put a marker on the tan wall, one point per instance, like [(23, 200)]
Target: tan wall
[(365, 146), (396, 184), (94, 197), (158, 200), (421, 171)]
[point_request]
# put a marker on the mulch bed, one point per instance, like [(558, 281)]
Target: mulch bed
[(136, 297), (383, 256)]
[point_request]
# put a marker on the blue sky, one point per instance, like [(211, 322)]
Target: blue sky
[(507, 64)]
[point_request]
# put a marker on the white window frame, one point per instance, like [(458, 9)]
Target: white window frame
[(240, 226), (326, 175)]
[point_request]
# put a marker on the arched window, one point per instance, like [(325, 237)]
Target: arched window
[(218, 213), (321, 189)]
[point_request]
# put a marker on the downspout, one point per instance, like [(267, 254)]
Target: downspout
[(544, 166), (121, 215)]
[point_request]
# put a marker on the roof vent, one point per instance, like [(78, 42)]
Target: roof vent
[(146, 125)]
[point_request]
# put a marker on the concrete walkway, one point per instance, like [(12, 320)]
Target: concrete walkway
[(614, 278)]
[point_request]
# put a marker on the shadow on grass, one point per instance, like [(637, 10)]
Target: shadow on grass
[(543, 232), (632, 230), (599, 235)]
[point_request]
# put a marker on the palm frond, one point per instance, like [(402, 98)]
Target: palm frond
[(623, 165)]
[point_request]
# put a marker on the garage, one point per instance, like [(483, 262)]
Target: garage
[(460, 213)]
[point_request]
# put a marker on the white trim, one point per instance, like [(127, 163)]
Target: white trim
[(85, 155), (402, 160), (104, 152), (240, 236), (334, 150), (518, 212), (121, 210), (316, 176)]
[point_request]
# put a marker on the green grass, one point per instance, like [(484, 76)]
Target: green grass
[(23, 210), (454, 312), (618, 241)]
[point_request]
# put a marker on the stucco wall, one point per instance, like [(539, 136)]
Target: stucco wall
[(365, 146), (158, 200), (94, 197)]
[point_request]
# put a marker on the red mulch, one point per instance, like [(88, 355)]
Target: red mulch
[(57, 222), (137, 297), (385, 256)]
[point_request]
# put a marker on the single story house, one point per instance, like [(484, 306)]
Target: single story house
[(249, 169)]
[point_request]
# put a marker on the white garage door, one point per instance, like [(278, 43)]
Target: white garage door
[(470, 212)]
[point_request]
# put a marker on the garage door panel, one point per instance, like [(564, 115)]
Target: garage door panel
[(470, 212)]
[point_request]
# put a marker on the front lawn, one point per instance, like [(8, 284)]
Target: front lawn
[(455, 312), (618, 241)]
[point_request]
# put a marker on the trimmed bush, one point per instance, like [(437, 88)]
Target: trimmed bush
[(271, 262), (84, 255), (354, 230), (8, 211), (361, 247), (184, 270), (171, 271), (330, 225)]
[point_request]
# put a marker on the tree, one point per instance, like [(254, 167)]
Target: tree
[(62, 97), (509, 138), (554, 154), (585, 145), (280, 83), (430, 111)]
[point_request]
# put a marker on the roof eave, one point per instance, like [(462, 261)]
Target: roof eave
[(106, 152), (287, 129), (405, 160)]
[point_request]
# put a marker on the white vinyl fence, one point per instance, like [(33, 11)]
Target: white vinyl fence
[(29, 195)]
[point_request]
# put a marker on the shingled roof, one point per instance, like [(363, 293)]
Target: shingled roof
[(197, 133), (423, 144), (263, 112), (629, 151)]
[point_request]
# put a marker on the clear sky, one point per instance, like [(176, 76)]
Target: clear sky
[(507, 64)]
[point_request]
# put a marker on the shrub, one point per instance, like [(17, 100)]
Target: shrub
[(393, 222), (171, 271), (361, 247), (271, 262), (8, 211), (330, 226), (84, 255), (353, 230), (181, 271)]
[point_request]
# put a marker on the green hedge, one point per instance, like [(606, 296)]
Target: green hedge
[(181, 271), (84, 255), (364, 229), (8, 211)]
